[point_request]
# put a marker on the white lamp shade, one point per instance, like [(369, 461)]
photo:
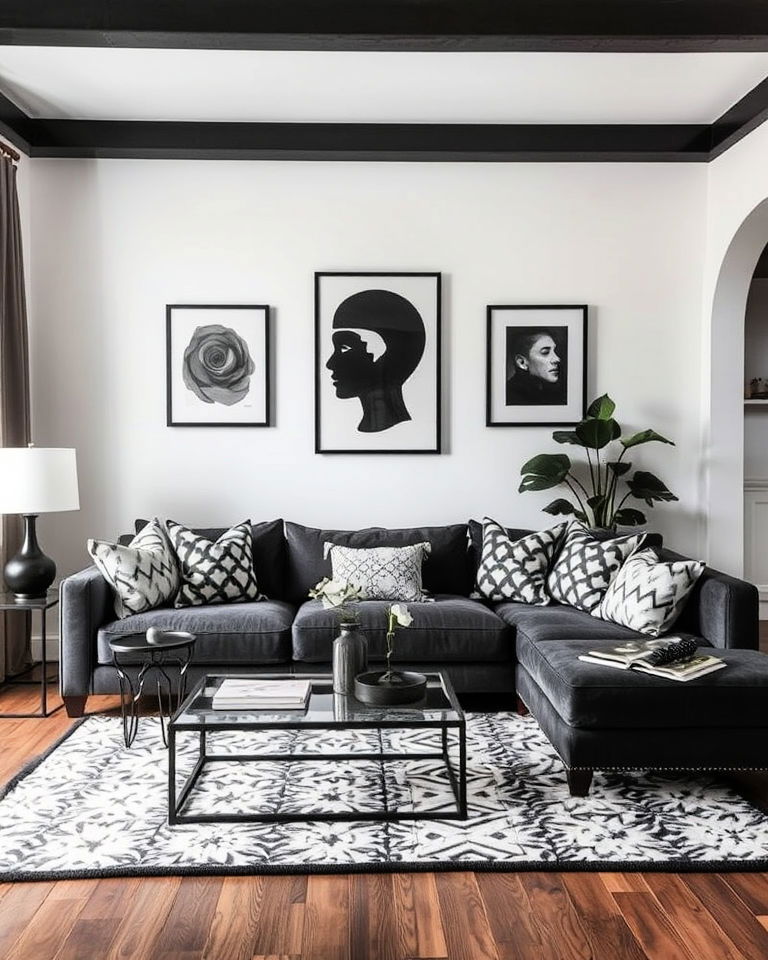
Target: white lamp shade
[(38, 480)]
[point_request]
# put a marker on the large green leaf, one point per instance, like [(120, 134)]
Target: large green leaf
[(530, 483), (597, 434), (602, 408), (565, 436), (559, 506), (629, 517), (647, 487), (644, 436), (619, 467), (552, 466)]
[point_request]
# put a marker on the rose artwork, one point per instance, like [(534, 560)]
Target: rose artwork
[(217, 365)]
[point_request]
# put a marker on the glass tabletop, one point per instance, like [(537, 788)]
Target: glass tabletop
[(324, 709)]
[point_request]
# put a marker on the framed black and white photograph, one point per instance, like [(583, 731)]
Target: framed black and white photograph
[(377, 363), (536, 372), (217, 366)]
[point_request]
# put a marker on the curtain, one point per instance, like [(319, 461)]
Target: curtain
[(14, 396)]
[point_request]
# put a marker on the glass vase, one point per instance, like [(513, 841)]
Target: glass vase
[(350, 657)]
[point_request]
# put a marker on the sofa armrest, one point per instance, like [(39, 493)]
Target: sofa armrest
[(728, 610), (85, 605)]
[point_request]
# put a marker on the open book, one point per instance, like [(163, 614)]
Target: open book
[(633, 655)]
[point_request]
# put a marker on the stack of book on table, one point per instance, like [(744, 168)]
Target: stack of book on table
[(243, 693), (634, 655)]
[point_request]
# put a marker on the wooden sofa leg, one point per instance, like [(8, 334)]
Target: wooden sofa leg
[(75, 706), (521, 708), (579, 782)]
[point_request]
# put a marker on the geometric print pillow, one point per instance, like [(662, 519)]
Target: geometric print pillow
[(648, 594), (585, 567), (143, 574), (215, 571), (381, 573), (516, 570)]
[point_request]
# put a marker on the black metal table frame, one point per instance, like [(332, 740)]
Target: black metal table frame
[(44, 680), (155, 661), (458, 779)]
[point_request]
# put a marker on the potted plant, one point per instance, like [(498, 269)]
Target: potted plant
[(389, 687), (350, 648), (597, 500)]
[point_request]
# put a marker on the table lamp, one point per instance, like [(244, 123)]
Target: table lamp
[(35, 480)]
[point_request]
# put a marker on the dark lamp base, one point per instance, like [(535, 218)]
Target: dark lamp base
[(30, 572)]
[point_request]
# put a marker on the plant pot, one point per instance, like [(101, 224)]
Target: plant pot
[(350, 657), (405, 687)]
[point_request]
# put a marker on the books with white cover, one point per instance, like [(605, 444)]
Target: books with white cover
[(688, 670), (237, 693)]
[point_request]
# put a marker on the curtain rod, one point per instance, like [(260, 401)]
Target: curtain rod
[(7, 151)]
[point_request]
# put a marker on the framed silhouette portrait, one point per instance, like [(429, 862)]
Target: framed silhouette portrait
[(536, 366), (217, 366), (377, 363)]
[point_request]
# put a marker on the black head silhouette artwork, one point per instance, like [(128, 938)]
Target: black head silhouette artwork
[(357, 372)]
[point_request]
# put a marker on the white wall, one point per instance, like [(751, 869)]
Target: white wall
[(114, 241)]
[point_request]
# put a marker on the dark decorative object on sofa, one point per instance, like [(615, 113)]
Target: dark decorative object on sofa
[(596, 496)]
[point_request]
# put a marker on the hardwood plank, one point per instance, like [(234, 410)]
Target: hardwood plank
[(143, 923), (651, 927), (730, 913), (17, 909), (624, 882), (88, 938), (510, 916), (417, 910), (752, 888), (281, 918), (233, 929), (185, 930), (373, 930), (695, 925), (53, 922), (606, 931), (465, 922), (326, 918), (763, 921), (109, 898), (554, 916)]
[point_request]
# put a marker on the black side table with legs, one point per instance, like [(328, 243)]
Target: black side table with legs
[(172, 649), (8, 601)]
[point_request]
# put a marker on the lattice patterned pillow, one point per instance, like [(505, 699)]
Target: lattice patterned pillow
[(648, 594), (381, 573), (585, 566), (143, 574), (516, 569), (215, 571)]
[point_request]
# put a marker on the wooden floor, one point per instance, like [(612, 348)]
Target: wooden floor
[(462, 916)]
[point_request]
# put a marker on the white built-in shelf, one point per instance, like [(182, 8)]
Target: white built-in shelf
[(756, 403)]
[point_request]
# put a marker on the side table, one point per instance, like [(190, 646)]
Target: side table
[(43, 604), (172, 649)]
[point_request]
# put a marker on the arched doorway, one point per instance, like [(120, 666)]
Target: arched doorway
[(724, 446)]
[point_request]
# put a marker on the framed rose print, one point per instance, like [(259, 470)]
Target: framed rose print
[(377, 362), (217, 366), (536, 366)]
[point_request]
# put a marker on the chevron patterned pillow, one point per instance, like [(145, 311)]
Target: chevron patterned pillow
[(648, 594), (585, 566), (381, 573), (215, 571), (516, 569), (143, 574)]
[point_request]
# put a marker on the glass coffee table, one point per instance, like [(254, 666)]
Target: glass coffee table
[(438, 710)]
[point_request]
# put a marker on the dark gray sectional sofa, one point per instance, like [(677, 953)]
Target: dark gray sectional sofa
[(481, 645)]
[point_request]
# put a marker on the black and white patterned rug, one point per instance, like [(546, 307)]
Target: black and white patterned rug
[(91, 807)]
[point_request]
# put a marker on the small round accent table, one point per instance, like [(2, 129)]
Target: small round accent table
[(168, 649)]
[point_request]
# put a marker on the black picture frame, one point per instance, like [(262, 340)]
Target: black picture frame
[(417, 398), (567, 326), (179, 317)]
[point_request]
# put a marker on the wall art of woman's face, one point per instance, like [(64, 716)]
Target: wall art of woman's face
[(541, 359)]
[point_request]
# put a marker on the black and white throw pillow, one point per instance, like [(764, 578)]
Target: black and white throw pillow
[(516, 569), (143, 574), (381, 573), (648, 594), (215, 571), (585, 566)]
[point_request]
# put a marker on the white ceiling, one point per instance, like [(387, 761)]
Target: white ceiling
[(133, 84)]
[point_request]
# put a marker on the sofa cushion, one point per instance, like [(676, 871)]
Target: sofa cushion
[(592, 696), (268, 553), (451, 629), (447, 570), (557, 621), (235, 633)]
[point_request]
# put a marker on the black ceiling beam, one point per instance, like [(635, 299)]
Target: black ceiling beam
[(741, 119), (368, 141), (568, 25)]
